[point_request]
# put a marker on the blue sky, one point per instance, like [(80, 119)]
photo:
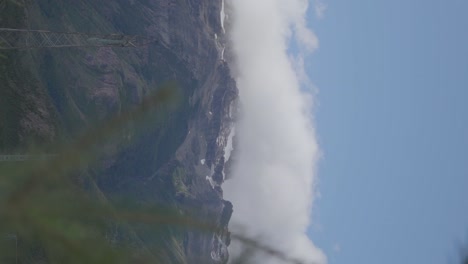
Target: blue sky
[(392, 121)]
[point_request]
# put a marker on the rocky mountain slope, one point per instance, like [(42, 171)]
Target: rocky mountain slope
[(176, 158)]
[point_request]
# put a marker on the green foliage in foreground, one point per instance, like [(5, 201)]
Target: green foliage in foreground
[(51, 210)]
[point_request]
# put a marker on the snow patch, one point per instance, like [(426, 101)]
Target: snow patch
[(229, 148), (222, 54), (231, 106), (222, 16), (219, 249), (209, 178), (220, 141), (202, 162), (229, 145), (219, 47), (214, 256)]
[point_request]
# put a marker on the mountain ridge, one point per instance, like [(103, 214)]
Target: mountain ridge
[(58, 94)]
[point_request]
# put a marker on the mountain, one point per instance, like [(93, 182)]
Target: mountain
[(176, 157)]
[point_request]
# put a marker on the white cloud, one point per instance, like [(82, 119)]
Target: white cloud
[(320, 9), (272, 188), (337, 248), (298, 64)]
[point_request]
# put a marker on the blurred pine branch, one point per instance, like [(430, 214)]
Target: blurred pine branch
[(53, 218)]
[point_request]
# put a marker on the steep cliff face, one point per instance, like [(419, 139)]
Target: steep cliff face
[(176, 158)]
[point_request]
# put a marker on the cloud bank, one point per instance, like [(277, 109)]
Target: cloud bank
[(273, 180)]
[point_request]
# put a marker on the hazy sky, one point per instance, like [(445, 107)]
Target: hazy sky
[(392, 124)]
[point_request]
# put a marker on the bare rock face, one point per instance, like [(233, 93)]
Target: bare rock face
[(203, 152), (188, 46), (176, 158)]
